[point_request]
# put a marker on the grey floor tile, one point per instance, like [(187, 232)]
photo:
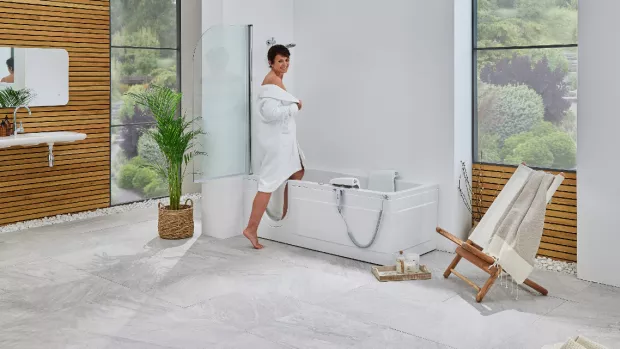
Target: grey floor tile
[(505, 296), (178, 329), (213, 247), (454, 322), (246, 310), (549, 330), (67, 339), (253, 275), (590, 311), (38, 274), (13, 310), (101, 307), (91, 304), (101, 250), (317, 327), (559, 285), (435, 290), (144, 273), (111, 282), (600, 295), (12, 253), (247, 341), (306, 258)]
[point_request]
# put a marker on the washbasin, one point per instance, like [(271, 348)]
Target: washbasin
[(22, 136), (35, 138)]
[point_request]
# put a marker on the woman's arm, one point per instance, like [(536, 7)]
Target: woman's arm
[(271, 110)]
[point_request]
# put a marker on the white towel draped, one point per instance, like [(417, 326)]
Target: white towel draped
[(511, 229)]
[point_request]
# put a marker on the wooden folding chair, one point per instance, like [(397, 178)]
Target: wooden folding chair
[(473, 253)]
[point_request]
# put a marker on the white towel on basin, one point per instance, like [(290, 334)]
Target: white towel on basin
[(383, 181)]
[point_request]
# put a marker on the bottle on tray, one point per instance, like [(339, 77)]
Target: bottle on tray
[(407, 264)]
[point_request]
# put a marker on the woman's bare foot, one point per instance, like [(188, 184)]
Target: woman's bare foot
[(253, 237)]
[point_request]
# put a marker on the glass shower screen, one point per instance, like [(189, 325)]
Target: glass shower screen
[(222, 102)]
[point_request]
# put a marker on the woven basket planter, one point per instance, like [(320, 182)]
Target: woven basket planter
[(176, 224)]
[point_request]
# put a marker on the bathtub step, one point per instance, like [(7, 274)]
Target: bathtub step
[(388, 273)]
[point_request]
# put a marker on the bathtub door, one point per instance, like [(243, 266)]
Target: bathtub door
[(222, 102)]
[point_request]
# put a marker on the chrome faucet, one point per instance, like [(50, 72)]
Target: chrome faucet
[(19, 129)]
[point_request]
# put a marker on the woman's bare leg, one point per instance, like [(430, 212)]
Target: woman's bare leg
[(258, 209), (297, 176)]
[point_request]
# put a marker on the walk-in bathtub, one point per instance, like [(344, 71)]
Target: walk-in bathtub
[(313, 220)]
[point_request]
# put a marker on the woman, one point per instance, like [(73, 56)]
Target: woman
[(11, 77), (277, 134)]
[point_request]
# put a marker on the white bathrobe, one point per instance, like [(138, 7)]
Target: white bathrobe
[(277, 135)]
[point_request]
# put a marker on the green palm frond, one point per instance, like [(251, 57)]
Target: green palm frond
[(173, 134), (11, 98)]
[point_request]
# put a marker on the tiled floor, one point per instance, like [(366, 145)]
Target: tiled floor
[(110, 282)]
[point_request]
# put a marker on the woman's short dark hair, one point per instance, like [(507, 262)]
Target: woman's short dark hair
[(277, 50), (9, 63)]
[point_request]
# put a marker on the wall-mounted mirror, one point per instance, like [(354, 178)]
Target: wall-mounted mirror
[(42, 72)]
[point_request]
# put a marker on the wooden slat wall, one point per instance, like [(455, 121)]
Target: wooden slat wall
[(80, 178), (559, 239)]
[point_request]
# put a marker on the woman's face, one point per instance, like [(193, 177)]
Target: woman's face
[(280, 64)]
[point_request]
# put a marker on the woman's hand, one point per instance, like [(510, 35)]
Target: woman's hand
[(299, 105)]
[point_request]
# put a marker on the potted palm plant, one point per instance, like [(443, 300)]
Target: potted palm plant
[(175, 137), (11, 98)]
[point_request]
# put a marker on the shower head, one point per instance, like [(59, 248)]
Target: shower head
[(272, 42)]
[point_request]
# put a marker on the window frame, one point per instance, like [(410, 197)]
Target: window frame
[(474, 85), (178, 51)]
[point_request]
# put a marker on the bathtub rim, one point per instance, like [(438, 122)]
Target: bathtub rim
[(416, 189)]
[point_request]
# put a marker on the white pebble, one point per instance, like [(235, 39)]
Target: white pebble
[(545, 263)]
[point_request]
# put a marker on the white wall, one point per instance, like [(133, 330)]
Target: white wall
[(462, 116), (378, 85), (212, 12), (597, 165)]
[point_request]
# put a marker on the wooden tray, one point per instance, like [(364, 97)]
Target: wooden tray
[(388, 273)]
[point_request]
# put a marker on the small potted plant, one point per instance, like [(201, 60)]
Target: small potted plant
[(175, 138)]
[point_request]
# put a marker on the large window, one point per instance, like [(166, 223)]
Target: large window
[(525, 88), (145, 50)]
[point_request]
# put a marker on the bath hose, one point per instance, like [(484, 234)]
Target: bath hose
[(339, 194)]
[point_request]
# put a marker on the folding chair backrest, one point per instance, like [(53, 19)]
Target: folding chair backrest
[(484, 230)]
